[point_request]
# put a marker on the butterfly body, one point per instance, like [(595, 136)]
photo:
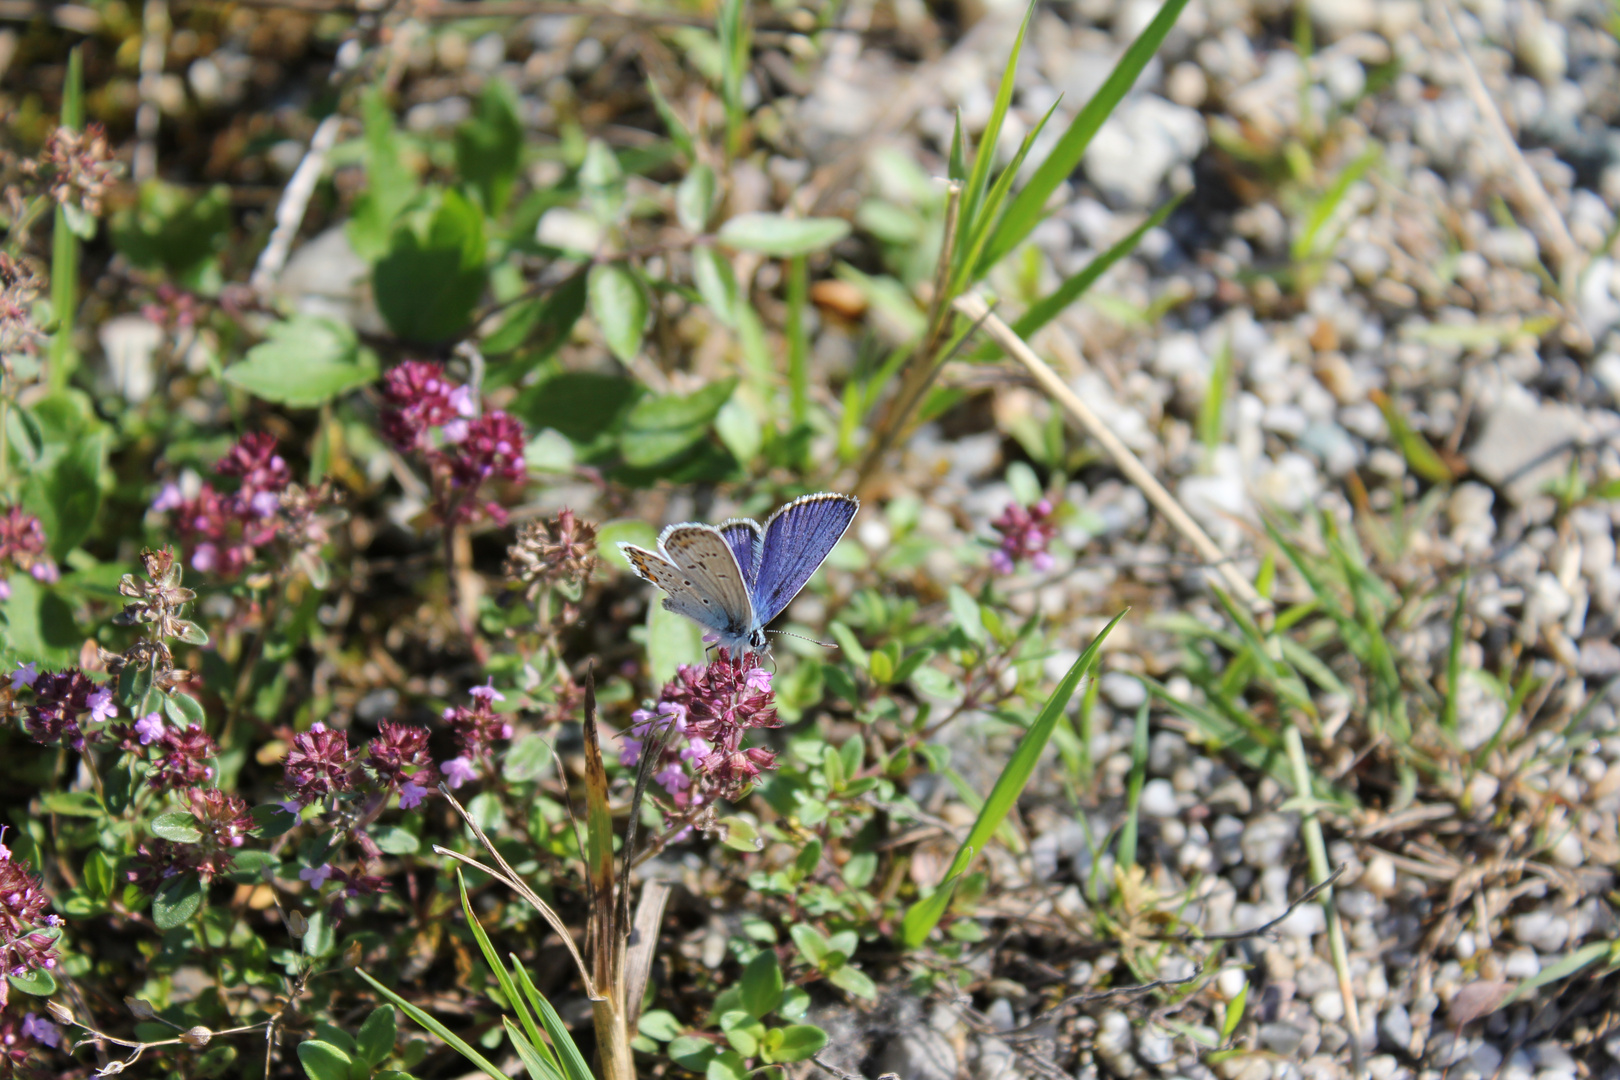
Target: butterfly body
[(734, 578)]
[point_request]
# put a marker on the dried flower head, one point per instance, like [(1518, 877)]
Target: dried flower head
[(546, 552), (158, 599), (78, 166)]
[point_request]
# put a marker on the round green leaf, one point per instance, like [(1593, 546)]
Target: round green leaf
[(799, 1042), (177, 901), (38, 982), (178, 826)]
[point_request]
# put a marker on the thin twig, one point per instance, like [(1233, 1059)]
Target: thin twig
[(974, 307), (294, 202), (1239, 935)]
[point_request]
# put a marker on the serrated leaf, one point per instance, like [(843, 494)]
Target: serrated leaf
[(304, 361), (782, 237)]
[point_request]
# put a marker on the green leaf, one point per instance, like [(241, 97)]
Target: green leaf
[(925, 914), (1029, 205), (661, 428), (65, 492), (727, 1065), (1234, 1013), (800, 1042), (717, 283), (812, 943), (321, 936), (39, 982), (857, 982), (567, 1051), (177, 901), (451, 1039), (1562, 968), (694, 199), (678, 132), (390, 185), (527, 759), (489, 146), (762, 984), (431, 280), (249, 866), (672, 640), (395, 840), (178, 826), (184, 709), (740, 430), (782, 237), (619, 306), (985, 156), (72, 803), (659, 1024), (39, 624), (691, 1052), (536, 1063), (543, 324), (323, 1061), (173, 228), (1419, 455), (965, 610), (271, 820), (581, 405), (98, 874), (305, 361)]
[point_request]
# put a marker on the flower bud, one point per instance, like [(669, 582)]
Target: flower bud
[(61, 1012), (297, 924), (140, 1010), (196, 1037)]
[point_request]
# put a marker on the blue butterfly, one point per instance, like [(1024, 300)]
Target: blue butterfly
[(733, 579)]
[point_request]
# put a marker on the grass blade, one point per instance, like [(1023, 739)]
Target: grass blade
[(504, 980), (573, 1062), (1075, 286), (1448, 713), (985, 217), (1414, 447), (925, 914), (1212, 410), (538, 1068), (985, 156), (1133, 791), (1310, 244), (1029, 207), (454, 1041), (64, 244)]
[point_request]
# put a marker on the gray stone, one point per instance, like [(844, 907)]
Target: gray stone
[(1158, 799), (1139, 145), (1281, 1037), (1524, 446), (1395, 1029), (1266, 840), (919, 1053)]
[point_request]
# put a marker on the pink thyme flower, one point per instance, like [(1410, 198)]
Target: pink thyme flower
[(318, 765), (1025, 534), (315, 875), (457, 771), (22, 544), (41, 1030), (27, 935), (25, 675), (399, 755), (411, 795), (149, 728), (185, 753)]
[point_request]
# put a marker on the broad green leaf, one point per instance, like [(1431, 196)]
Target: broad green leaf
[(177, 901), (539, 327), (173, 228), (925, 914), (672, 640), (965, 610), (98, 874), (799, 1042), (38, 982), (321, 937), (375, 1040), (1029, 205), (425, 1020), (432, 278), (395, 840), (39, 624), (489, 146), (582, 405), (64, 492), (857, 982), (762, 984), (726, 1065), (773, 234), (740, 430), (658, 429), (184, 709), (323, 1061), (812, 943), (659, 1024), (178, 826), (305, 361), (528, 758), (619, 306)]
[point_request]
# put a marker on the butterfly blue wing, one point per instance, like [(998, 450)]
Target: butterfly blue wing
[(798, 539), (744, 537), (711, 576)]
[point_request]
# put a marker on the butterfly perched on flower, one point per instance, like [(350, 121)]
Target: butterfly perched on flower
[(734, 578)]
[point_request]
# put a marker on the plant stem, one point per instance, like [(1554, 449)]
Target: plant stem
[(798, 290)]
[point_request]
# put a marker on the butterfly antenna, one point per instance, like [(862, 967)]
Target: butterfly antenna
[(801, 637)]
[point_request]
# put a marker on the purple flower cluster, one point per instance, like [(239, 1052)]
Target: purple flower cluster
[(27, 935), (1025, 533), (699, 722), (184, 754), (464, 447), (398, 758), (475, 728), (22, 545), (322, 765), (63, 700), (224, 822), (20, 1037), (225, 530)]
